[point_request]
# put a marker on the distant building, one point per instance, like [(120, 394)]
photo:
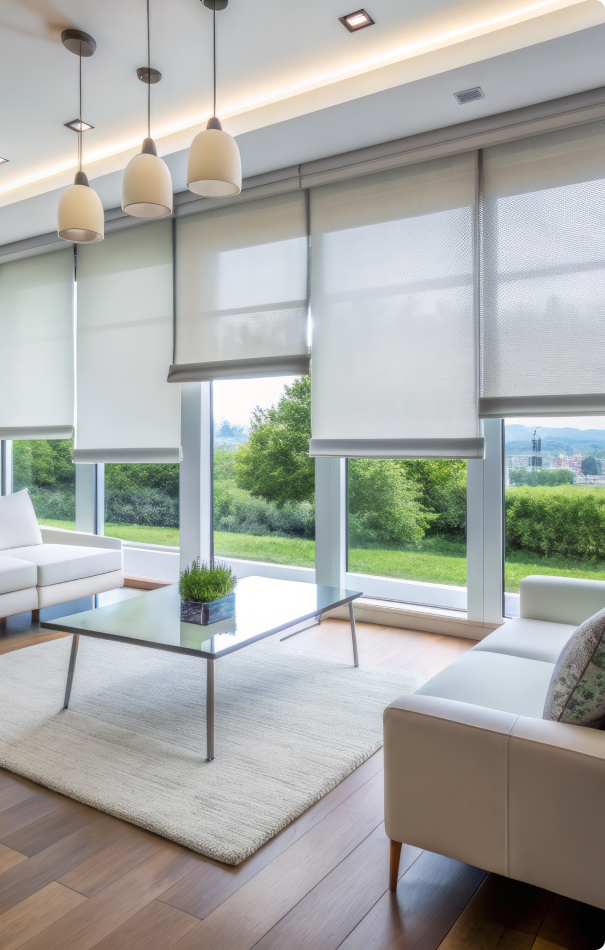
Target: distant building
[(572, 462), (589, 480)]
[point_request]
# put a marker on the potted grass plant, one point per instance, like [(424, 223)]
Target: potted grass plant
[(206, 593)]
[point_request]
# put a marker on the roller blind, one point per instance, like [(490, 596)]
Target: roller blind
[(126, 411), (394, 346), (37, 347), (241, 291), (543, 320)]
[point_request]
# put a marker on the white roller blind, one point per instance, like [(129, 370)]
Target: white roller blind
[(543, 321), (394, 346), (37, 347), (126, 411), (241, 291)]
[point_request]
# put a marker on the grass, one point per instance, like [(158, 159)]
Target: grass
[(434, 560)]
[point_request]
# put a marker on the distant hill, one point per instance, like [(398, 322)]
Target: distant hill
[(519, 433)]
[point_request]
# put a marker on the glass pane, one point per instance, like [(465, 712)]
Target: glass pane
[(45, 468), (407, 520), (264, 480), (142, 502), (555, 500)]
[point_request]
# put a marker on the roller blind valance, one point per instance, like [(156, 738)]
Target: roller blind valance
[(126, 411), (543, 319), (37, 347), (395, 337), (241, 291)]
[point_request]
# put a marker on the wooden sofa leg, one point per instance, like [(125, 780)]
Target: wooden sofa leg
[(35, 616), (394, 869)]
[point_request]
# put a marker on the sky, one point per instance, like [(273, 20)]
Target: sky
[(234, 399)]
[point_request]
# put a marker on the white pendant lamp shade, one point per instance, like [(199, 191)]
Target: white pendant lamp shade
[(147, 185), (80, 215), (215, 166)]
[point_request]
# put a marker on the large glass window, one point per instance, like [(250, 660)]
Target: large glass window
[(407, 521), (264, 480), (45, 468), (555, 500), (142, 502)]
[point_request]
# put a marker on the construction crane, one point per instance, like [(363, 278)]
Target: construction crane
[(536, 448)]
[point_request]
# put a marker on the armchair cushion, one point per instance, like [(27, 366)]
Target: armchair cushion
[(58, 563), (576, 694), (18, 522)]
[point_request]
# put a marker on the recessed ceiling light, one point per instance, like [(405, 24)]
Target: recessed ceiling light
[(76, 126), (356, 21), (3, 160), (469, 95)]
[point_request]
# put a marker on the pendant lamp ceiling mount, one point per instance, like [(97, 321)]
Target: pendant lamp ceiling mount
[(148, 74), (78, 42)]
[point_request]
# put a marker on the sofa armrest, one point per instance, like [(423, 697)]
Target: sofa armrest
[(556, 794), (62, 536), (445, 778)]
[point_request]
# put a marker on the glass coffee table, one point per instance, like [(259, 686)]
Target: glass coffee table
[(263, 606)]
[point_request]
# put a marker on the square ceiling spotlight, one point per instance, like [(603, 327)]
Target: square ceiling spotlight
[(356, 21), (3, 160), (76, 126)]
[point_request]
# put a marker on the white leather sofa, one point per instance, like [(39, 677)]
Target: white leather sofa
[(42, 566), (472, 771)]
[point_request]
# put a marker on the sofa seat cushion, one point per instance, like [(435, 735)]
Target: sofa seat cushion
[(16, 574), (57, 563), (531, 639), (510, 683)]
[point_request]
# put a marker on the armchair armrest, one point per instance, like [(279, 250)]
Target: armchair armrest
[(445, 778), (63, 536)]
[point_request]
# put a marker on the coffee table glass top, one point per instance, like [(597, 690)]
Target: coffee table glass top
[(263, 606)]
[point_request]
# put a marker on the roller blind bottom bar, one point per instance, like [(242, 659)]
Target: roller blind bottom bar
[(240, 369), (398, 448), (37, 432), (501, 407), (128, 455)]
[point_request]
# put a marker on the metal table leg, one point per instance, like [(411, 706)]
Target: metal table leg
[(209, 710), (72, 666), (353, 634)]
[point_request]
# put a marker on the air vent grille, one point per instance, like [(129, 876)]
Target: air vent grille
[(469, 95)]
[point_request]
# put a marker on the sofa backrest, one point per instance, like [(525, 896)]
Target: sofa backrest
[(18, 523), (560, 599)]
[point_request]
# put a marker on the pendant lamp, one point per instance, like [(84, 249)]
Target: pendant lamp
[(80, 213), (215, 166), (147, 185)]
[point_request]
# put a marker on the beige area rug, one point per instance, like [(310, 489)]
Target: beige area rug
[(289, 727)]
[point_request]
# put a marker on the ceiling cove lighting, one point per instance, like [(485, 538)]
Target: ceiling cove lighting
[(147, 185), (356, 21), (78, 125), (215, 166), (80, 214)]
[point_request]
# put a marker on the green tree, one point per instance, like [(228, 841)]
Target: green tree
[(441, 484), (43, 463), (128, 476), (590, 466), (548, 477), (383, 504), (274, 463)]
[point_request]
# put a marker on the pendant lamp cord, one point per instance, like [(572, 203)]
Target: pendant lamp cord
[(80, 125), (214, 54), (148, 78)]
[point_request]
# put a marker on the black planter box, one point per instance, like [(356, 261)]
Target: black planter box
[(192, 611)]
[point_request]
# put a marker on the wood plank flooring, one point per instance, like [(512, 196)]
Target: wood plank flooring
[(72, 878)]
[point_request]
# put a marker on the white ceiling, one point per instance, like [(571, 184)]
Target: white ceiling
[(263, 47)]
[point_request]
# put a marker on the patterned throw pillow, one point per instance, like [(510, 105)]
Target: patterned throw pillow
[(576, 693)]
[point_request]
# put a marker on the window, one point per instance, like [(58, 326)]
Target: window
[(142, 502), (407, 521), (555, 500), (264, 480), (45, 468)]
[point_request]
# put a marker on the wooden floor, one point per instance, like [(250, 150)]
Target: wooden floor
[(72, 878)]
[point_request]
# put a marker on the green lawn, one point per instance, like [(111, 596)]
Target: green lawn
[(434, 560)]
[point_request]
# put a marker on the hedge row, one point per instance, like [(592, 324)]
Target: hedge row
[(567, 520)]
